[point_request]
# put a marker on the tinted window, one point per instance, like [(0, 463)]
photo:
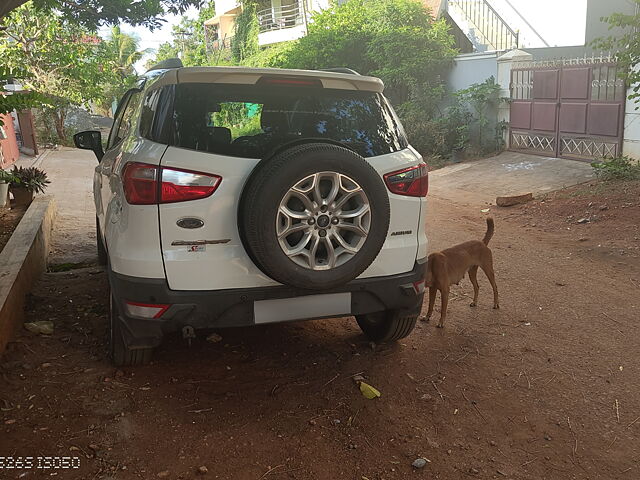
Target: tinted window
[(248, 121), (128, 120), (116, 119), (123, 121), (155, 114)]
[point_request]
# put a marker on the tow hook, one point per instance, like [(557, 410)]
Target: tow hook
[(188, 333)]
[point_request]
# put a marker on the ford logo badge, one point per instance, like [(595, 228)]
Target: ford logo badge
[(190, 223)]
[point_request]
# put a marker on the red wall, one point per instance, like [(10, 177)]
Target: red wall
[(9, 146)]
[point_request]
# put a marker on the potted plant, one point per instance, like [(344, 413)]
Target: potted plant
[(27, 182), (5, 179)]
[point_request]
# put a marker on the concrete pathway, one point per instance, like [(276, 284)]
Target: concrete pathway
[(480, 182), (71, 173)]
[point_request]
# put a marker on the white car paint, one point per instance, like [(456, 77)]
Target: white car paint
[(139, 237), (227, 265)]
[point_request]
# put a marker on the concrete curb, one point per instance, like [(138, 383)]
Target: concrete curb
[(22, 262)]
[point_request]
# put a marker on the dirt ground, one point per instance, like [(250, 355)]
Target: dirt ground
[(9, 219), (544, 388), (603, 216)]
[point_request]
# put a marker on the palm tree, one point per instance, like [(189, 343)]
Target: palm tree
[(124, 51), (120, 52)]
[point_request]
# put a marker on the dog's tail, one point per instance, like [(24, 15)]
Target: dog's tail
[(490, 229)]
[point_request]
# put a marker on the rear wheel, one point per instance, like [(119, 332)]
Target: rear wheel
[(120, 354), (387, 326), (102, 251)]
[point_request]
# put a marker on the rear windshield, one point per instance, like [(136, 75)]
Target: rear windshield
[(250, 121)]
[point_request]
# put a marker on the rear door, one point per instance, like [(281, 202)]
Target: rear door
[(224, 130)]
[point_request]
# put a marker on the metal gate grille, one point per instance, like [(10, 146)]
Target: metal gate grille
[(571, 108)]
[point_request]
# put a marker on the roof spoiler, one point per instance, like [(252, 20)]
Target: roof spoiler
[(168, 63), (340, 70)]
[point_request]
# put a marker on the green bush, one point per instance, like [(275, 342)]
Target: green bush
[(464, 124), (396, 40), (438, 134), (619, 168)]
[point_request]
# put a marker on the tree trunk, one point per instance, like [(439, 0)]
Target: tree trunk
[(58, 119)]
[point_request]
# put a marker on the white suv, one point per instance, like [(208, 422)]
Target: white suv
[(232, 196)]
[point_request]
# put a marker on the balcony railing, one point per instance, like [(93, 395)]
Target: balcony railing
[(489, 26), (277, 18)]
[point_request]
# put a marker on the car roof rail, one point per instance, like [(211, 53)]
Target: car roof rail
[(168, 63), (340, 70)]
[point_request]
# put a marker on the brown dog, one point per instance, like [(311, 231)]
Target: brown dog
[(449, 266)]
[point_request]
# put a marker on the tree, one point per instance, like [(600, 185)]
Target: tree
[(188, 40), (397, 40), (93, 13), (118, 52), (627, 46), (245, 38), (60, 59)]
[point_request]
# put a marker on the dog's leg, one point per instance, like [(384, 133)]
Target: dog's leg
[(432, 300), (488, 270), (473, 276), (444, 296)]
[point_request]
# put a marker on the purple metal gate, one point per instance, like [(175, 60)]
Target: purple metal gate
[(567, 108)]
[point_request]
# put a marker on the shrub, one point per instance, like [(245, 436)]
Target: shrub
[(6, 177), (31, 178), (619, 168), (245, 40)]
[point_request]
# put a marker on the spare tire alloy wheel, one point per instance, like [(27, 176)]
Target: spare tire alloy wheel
[(314, 216), (323, 220)]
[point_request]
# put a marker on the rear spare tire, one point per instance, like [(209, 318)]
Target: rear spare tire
[(314, 216)]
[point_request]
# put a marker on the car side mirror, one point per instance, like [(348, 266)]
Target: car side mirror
[(90, 140)]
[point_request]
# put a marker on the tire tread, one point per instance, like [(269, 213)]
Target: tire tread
[(395, 326)]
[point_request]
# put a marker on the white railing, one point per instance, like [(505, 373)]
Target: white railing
[(277, 18)]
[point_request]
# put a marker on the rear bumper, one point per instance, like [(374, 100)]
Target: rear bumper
[(235, 307)]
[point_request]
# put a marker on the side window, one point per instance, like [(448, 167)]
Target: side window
[(155, 119), (127, 121), (123, 121), (116, 119)]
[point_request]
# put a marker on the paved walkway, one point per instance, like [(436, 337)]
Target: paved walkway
[(71, 173), (480, 182)]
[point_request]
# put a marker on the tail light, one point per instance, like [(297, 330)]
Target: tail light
[(411, 182), (142, 187), (145, 310), (140, 183), (183, 185)]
